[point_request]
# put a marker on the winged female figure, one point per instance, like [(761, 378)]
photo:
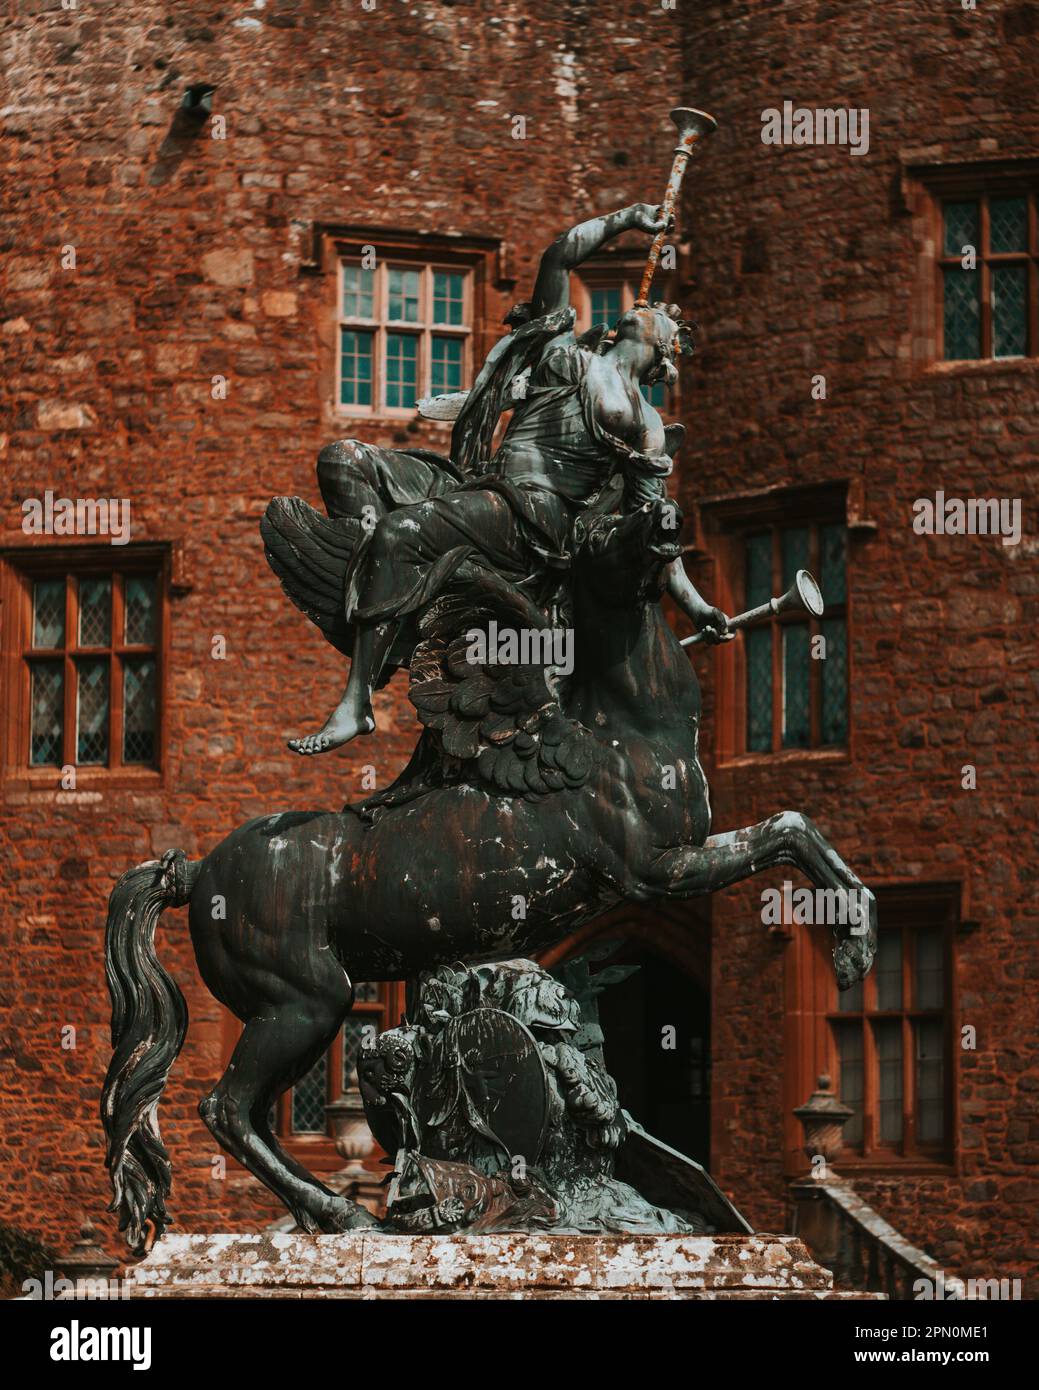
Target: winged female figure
[(402, 524)]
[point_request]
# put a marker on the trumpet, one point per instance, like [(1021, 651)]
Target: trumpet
[(804, 595), (692, 126)]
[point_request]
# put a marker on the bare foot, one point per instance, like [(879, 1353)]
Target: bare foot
[(340, 727)]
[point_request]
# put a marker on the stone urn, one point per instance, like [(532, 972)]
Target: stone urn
[(823, 1118)]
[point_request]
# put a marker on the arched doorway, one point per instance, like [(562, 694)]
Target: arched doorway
[(657, 1021)]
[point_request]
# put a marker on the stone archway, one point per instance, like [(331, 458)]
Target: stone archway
[(657, 1022)]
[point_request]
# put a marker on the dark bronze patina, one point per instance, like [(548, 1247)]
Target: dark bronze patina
[(495, 1098), (534, 800)]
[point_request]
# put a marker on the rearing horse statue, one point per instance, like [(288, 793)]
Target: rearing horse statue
[(538, 796), (534, 802)]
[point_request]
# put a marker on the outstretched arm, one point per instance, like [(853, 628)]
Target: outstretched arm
[(552, 288), (712, 622)]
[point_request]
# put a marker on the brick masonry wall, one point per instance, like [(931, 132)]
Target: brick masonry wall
[(808, 261), (189, 263)]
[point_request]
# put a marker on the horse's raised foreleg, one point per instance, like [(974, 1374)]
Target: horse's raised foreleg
[(275, 1050), (787, 838)]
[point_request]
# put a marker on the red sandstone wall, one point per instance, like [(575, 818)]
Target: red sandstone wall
[(808, 265), (396, 118), (805, 261)]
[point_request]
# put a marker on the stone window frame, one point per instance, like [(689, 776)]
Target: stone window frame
[(485, 258), (20, 568), (423, 330), (811, 1049), (925, 187), (721, 525)]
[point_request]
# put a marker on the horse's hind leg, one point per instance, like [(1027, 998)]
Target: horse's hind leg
[(275, 1050), (787, 838)]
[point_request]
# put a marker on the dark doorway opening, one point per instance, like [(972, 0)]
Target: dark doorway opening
[(656, 1025)]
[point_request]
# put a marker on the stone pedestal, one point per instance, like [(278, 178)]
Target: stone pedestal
[(370, 1264)]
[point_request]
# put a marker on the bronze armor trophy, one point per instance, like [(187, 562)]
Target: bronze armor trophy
[(537, 798)]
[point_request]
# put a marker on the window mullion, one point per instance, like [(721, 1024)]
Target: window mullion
[(382, 302), (870, 1086), (334, 1073), (908, 1084), (70, 734), (115, 693), (986, 277), (777, 646)]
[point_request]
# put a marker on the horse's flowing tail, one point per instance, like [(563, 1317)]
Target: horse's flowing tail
[(149, 1020)]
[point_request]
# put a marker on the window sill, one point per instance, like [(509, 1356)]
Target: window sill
[(985, 365), (875, 1167), (45, 784), (895, 1167), (396, 417), (809, 757)]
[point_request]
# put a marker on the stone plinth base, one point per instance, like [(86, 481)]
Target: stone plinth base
[(370, 1264)]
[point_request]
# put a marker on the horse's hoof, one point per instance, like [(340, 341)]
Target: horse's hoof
[(339, 1214)]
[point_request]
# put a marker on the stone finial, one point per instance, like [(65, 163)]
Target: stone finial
[(87, 1260), (823, 1118)]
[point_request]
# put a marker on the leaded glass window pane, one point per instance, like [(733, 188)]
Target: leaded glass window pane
[(355, 367), (448, 297), (930, 968), (795, 552), (95, 612), (358, 292), (1009, 311), (888, 1038), (930, 1081), (849, 1001), (796, 712), (48, 604), (1008, 224), (961, 227), (831, 563), (446, 365), (889, 970), (140, 610), (849, 1052), (606, 306), (139, 710), (962, 314), (309, 1098), (401, 369), (403, 288), (92, 711), (359, 1031), (834, 684), (759, 689), (47, 714), (759, 569), (366, 993)]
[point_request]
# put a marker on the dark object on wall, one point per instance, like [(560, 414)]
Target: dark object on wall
[(188, 121), (198, 100)]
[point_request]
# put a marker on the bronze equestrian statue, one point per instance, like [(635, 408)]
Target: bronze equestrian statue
[(535, 799)]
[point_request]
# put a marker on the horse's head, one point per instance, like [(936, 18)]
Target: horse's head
[(620, 560), (622, 640)]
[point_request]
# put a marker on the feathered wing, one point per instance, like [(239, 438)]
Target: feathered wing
[(310, 554), (502, 723)]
